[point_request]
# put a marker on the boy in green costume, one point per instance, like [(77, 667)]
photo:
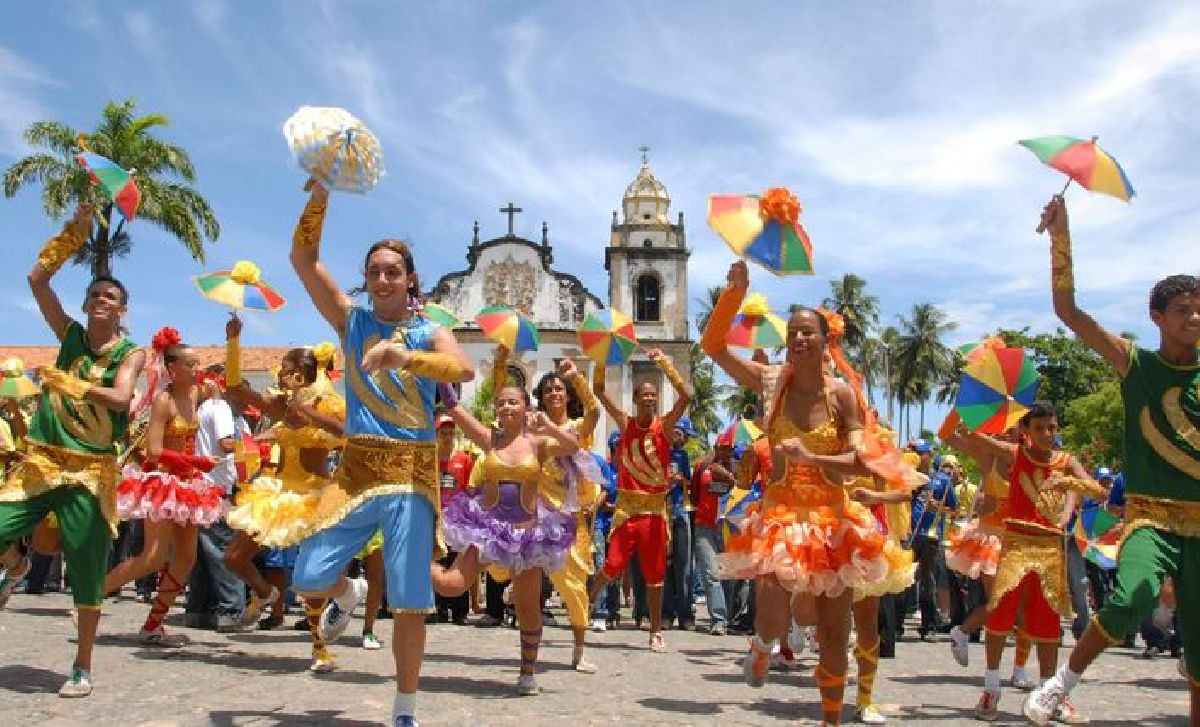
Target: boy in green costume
[(1161, 393), (70, 463)]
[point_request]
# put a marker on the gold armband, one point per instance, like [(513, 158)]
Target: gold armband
[(312, 219), (669, 371), (61, 247), (233, 362), (1062, 269), (584, 392), (721, 319), (63, 383), (1086, 487), (599, 373), (435, 365), (499, 369)]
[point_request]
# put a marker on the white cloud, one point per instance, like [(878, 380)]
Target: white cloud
[(20, 100)]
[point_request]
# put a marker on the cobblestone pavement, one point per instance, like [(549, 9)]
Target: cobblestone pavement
[(261, 678)]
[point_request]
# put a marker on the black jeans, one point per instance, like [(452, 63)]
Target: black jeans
[(452, 608), (890, 616), (494, 597), (212, 588), (930, 560)]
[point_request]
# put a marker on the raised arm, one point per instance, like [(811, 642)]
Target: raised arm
[(53, 256), (591, 407), (1111, 347), (446, 363), (471, 427), (683, 397), (598, 388), (331, 302), (160, 411), (746, 372)]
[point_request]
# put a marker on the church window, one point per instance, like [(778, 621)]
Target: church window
[(646, 216), (647, 298), (647, 242)]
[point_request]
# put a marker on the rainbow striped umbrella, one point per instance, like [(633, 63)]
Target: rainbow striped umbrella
[(764, 228), (1097, 536), (997, 387), (735, 506), (508, 328), (240, 288), (607, 337), (14, 384), (441, 315), (118, 184), (756, 326), (743, 432), (1084, 162)]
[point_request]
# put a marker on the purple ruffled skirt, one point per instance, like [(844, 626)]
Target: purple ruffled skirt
[(542, 544)]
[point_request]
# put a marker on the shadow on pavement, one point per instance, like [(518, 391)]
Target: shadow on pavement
[(315, 716), (29, 679)]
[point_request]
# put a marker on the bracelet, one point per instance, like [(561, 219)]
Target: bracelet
[(669, 371), (1062, 269), (60, 248), (308, 229)]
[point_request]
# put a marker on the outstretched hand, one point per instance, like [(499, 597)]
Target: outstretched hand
[(84, 214), (1054, 217), (319, 193), (738, 276), (233, 326), (795, 450), (567, 368), (384, 355)]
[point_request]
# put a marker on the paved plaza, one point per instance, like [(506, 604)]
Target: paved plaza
[(261, 678)]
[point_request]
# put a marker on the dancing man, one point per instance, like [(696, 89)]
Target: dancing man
[(388, 477), (70, 463), (644, 454), (1161, 394)]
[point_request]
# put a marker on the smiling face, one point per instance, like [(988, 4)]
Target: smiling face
[(511, 407), (553, 396), (1179, 321), (389, 278), (645, 400), (805, 339), (104, 302)]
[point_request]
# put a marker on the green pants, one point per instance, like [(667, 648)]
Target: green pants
[(82, 529), (1148, 556)]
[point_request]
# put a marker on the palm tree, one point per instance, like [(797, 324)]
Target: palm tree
[(707, 302), (738, 401), (860, 311), (923, 360), (126, 139)]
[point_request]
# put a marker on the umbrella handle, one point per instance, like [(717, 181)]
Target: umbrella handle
[(1042, 225)]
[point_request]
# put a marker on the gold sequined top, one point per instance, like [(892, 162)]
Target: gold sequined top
[(525, 473), (803, 484)]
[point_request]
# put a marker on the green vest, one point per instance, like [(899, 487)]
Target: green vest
[(1162, 413), (83, 426)]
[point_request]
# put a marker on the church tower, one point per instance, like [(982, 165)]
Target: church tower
[(646, 260)]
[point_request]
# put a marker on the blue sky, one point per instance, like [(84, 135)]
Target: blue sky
[(894, 122)]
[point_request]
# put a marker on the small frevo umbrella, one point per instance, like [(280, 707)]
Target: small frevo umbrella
[(607, 337), (764, 228), (118, 184), (440, 315), (997, 387), (14, 384), (756, 326), (508, 328), (1084, 163), (241, 288)]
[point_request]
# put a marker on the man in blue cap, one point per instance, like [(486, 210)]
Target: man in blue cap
[(678, 604)]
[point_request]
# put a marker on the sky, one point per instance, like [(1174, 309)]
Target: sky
[(895, 123)]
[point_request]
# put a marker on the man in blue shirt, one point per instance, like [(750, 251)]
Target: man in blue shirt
[(932, 504), (678, 603), (606, 611)]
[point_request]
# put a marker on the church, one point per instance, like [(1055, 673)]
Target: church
[(646, 259)]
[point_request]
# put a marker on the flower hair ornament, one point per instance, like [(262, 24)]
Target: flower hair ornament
[(157, 377)]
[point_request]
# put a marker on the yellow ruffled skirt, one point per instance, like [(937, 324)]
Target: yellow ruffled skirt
[(275, 515)]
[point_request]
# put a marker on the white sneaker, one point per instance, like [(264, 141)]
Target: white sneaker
[(599, 626), (256, 606), (960, 646), (337, 613), (1044, 702), (797, 639), (78, 684), (10, 579), (870, 714), (159, 637), (370, 642), (1022, 681), (322, 664), (527, 685)]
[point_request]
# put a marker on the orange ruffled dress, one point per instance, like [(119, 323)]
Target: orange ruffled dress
[(807, 532), (975, 549)]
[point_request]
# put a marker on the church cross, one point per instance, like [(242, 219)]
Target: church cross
[(645, 150), (511, 212)]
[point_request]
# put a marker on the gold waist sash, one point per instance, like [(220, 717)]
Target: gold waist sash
[(1043, 554), (45, 467), (1179, 517), (634, 502)]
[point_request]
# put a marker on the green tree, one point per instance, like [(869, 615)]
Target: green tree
[(860, 312), (163, 172), (1095, 424), (707, 302), (924, 362), (707, 394), (1069, 369)]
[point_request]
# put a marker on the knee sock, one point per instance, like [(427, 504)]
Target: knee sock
[(168, 588), (313, 608), (1067, 678), (530, 641), (832, 686), (404, 704), (868, 666), (1024, 646)]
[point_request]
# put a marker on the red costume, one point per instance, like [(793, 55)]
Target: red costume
[(640, 522)]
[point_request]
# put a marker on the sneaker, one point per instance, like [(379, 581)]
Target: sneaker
[(784, 659), (583, 665), (1044, 702), (755, 666), (1022, 681), (717, 629), (657, 644), (960, 646), (301, 625), (370, 643), (256, 605), (1067, 714), (527, 685), (337, 612), (599, 626), (271, 623), (404, 720), (322, 664), (870, 714), (78, 684), (987, 708), (160, 638), (488, 622), (797, 639), (10, 579)]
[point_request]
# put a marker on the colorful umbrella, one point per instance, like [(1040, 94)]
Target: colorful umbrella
[(744, 432), (240, 288), (14, 384), (335, 148), (508, 328), (1084, 162), (735, 505), (1098, 537), (607, 337), (441, 315), (756, 326), (996, 388), (764, 228), (118, 184)]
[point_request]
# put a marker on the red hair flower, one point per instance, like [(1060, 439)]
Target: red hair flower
[(166, 337)]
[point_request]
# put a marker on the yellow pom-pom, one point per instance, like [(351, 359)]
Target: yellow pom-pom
[(324, 352), (245, 272), (12, 368), (755, 305)]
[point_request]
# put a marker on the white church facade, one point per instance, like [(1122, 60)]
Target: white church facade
[(646, 259)]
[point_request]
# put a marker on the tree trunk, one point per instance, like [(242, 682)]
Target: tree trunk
[(922, 432), (101, 252)]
